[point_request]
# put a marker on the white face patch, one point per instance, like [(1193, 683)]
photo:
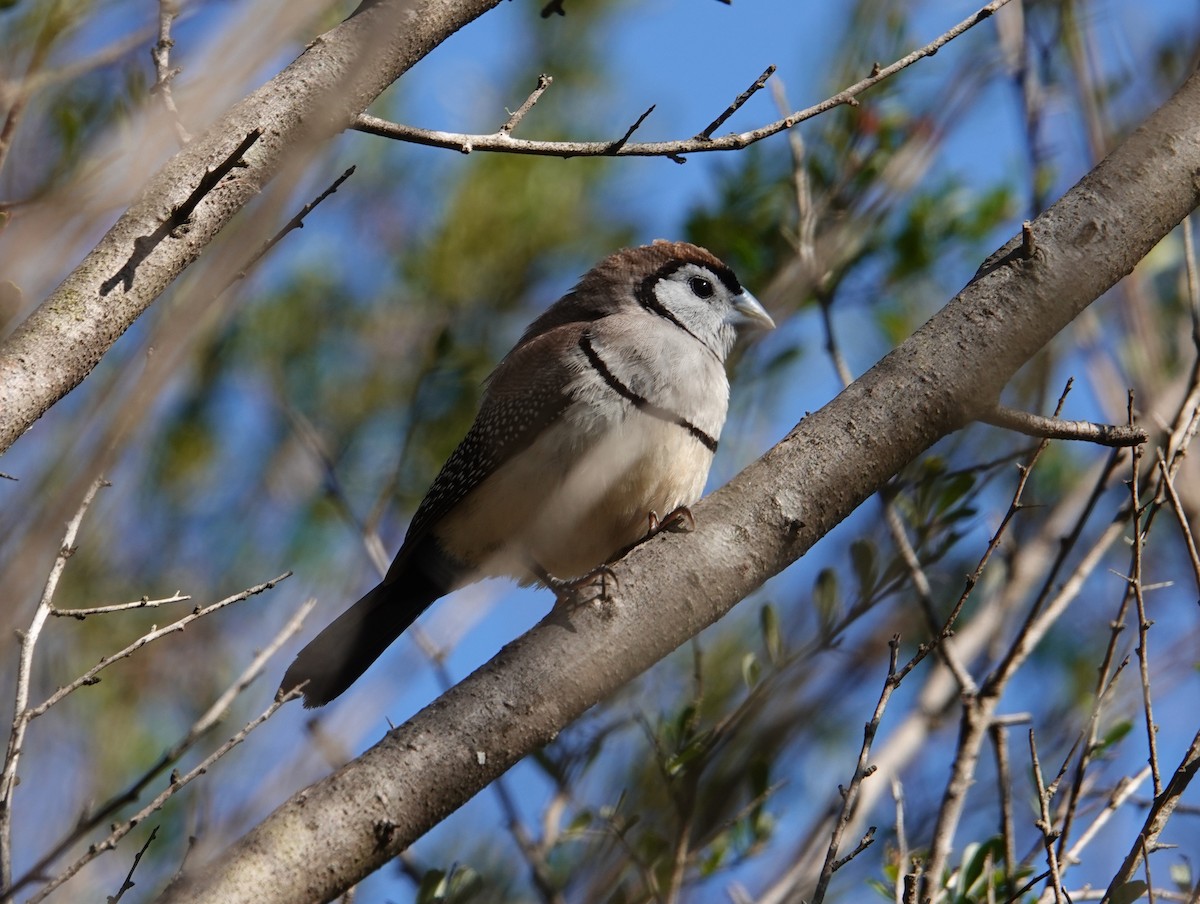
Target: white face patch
[(701, 304)]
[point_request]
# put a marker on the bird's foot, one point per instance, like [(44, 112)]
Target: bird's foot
[(592, 587), (678, 521)]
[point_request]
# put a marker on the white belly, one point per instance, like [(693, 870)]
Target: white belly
[(576, 497)]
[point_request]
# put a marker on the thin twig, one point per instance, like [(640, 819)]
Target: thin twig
[(502, 142), (1193, 281), (42, 45), (163, 73), (22, 715), (805, 241), (999, 733), (137, 858), (296, 222), (207, 721), (544, 81), (1160, 811), (920, 583), (979, 708), (901, 839), (738, 102), (144, 603), (637, 124), (89, 677), (1087, 746), (1180, 516), (1045, 822), (173, 788), (1122, 793), (862, 769), (1055, 428), (1143, 625)]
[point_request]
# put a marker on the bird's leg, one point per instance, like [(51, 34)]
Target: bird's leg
[(568, 593)]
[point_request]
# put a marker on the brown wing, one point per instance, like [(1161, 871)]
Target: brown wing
[(526, 393)]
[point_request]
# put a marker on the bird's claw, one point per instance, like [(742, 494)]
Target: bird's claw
[(572, 593), (678, 521)]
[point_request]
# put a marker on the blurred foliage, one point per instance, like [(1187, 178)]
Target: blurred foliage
[(317, 400)]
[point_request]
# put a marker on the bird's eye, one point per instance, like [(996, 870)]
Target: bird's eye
[(701, 287)]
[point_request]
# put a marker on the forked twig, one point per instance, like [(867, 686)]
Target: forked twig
[(173, 788), (22, 715)]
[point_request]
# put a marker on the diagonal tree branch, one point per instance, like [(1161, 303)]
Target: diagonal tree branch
[(315, 97), (333, 833)]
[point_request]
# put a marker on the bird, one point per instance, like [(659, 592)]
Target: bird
[(606, 413)]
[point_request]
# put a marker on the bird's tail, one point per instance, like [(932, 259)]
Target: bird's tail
[(335, 658)]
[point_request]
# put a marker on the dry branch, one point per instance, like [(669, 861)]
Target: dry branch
[(502, 141)]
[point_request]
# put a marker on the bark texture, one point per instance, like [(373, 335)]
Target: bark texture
[(332, 834)]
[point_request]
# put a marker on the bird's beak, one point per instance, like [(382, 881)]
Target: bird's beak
[(747, 312)]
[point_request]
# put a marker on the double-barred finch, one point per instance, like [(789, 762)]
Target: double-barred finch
[(607, 410)]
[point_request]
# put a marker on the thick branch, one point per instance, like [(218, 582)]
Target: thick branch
[(949, 372), (315, 97)]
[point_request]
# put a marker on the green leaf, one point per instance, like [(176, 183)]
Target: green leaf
[(1128, 893), (976, 858), (772, 639), (864, 557), (825, 597), (751, 670), (1114, 735)]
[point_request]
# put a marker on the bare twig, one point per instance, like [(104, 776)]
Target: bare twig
[(1193, 282), (1143, 625), (174, 787), (164, 74), (805, 241), (895, 522), (999, 733), (1160, 811), (89, 677), (637, 124), (920, 582), (544, 82), (22, 715), (862, 769), (738, 102), (137, 858), (207, 721), (980, 707), (863, 843), (1122, 793), (1088, 745), (16, 106), (503, 142), (901, 840), (296, 222), (1180, 516), (1045, 822), (144, 603), (1056, 428)]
